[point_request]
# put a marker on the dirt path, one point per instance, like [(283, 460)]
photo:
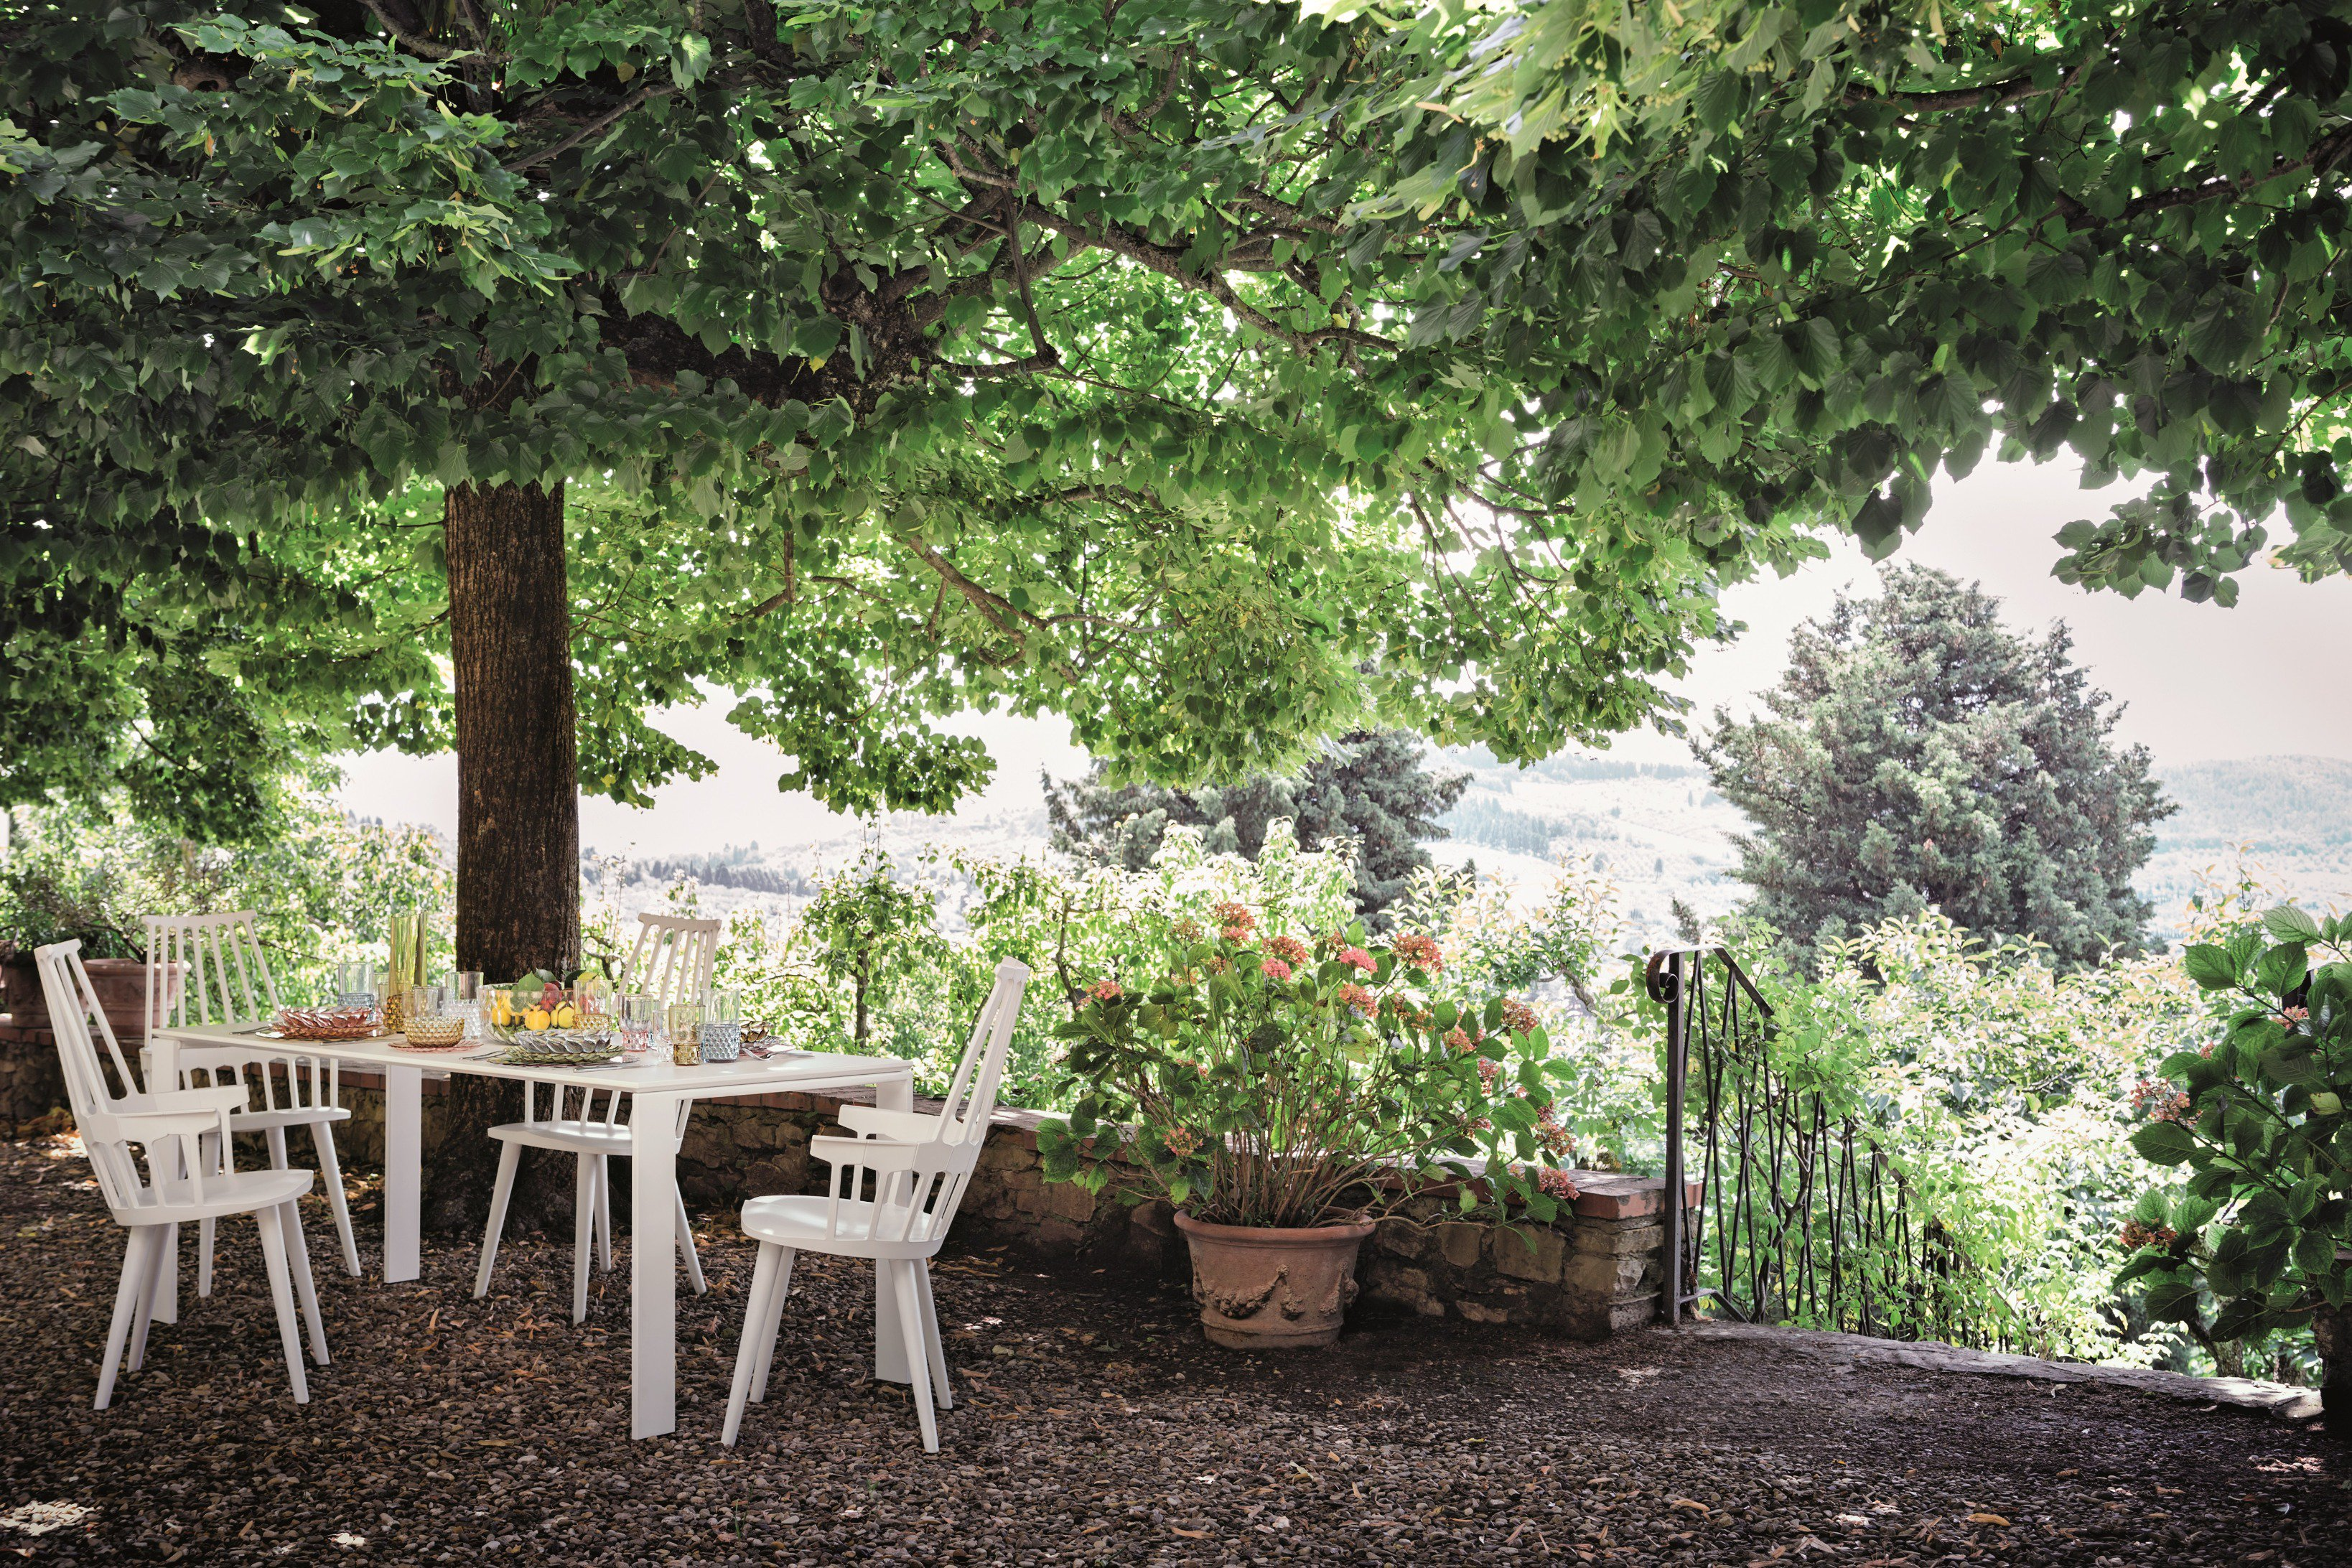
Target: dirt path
[(1093, 1425)]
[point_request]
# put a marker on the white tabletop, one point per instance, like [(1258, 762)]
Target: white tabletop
[(651, 1073)]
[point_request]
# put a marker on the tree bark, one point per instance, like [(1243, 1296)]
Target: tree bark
[(2331, 1327), (517, 804)]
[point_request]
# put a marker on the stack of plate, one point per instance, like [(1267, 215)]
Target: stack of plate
[(559, 1047)]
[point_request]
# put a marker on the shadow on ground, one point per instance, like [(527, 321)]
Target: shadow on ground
[(1092, 1426)]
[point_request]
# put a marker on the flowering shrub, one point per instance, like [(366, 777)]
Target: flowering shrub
[(2262, 1126), (1252, 1084)]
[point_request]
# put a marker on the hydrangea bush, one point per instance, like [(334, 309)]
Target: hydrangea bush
[(1273, 1080)]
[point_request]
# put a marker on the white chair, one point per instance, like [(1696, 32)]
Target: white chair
[(671, 963), (920, 1164), (188, 1177), (226, 984)]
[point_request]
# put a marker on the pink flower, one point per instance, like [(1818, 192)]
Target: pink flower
[(1455, 1039), (1555, 1183), (1419, 950), (1489, 1072), (1356, 996), (1519, 1017), (1104, 991), (1235, 921), (1358, 957), (1288, 949), (1275, 969)]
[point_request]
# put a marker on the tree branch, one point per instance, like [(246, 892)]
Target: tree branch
[(427, 47), (656, 89)]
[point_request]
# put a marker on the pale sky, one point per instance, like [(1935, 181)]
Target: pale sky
[(2200, 682)]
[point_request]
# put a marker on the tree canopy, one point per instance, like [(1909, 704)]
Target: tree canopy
[(1220, 375), (1372, 786), (1919, 753)]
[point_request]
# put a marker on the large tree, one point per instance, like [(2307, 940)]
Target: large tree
[(1775, 264), (1222, 375), (1919, 754), (1373, 787)]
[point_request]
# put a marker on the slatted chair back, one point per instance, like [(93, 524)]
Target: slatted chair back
[(176, 1167), (971, 1095), (672, 960), (918, 1185), (224, 982)]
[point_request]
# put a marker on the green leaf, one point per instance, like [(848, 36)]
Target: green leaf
[(2287, 923), (2210, 966), (2164, 1143)]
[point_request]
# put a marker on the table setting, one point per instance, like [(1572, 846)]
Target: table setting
[(666, 1050)]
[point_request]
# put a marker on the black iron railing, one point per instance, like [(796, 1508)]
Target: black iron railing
[(1802, 1216)]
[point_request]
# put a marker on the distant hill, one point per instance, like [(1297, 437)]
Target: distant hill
[(2290, 816), (1664, 835), (1657, 828)]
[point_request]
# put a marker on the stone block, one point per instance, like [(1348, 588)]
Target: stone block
[(1400, 1237), (1067, 1200), (1058, 1236), (1618, 1236), (1604, 1277), (1461, 1244), (1526, 1253), (1480, 1312)]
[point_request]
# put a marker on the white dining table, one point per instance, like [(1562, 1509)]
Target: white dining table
[(659, 1089)]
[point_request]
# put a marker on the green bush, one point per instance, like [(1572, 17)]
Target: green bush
[(2256, 1241)]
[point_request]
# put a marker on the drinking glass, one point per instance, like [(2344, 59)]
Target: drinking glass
[(638, 1021), (355, 985), (721, 1034), (683, 1024), (470, 1000)]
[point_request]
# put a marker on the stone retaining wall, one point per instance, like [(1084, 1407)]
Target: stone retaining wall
[(1592, 1273)]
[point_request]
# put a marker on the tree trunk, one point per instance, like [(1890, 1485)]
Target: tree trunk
[(2331, 1327), (518, 802)]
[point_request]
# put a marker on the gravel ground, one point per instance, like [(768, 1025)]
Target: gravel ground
[(1092, 1426)]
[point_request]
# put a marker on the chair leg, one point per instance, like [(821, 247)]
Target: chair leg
[(509, 1156), (207, 1152), (584, 1230), (747, 1352), (138, 1250), (938, 1356), (166, 1308), (910, 1325), (604, 1212), (686, 1252), (330, 1172), (775, 1322), (158, 1260), (306, 1292), (281, 1294)]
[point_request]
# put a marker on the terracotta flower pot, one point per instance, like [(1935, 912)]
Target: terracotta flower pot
[(121, 984), (1265, 1287)]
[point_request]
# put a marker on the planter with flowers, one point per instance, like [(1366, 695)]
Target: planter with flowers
[(1285, 1095)]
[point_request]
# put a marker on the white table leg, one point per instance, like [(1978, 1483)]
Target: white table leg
[(890, 1341), (653, 1266), (403, 1170)]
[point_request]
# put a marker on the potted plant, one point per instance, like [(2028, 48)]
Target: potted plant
[(46, 897), (1283, 1096)]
